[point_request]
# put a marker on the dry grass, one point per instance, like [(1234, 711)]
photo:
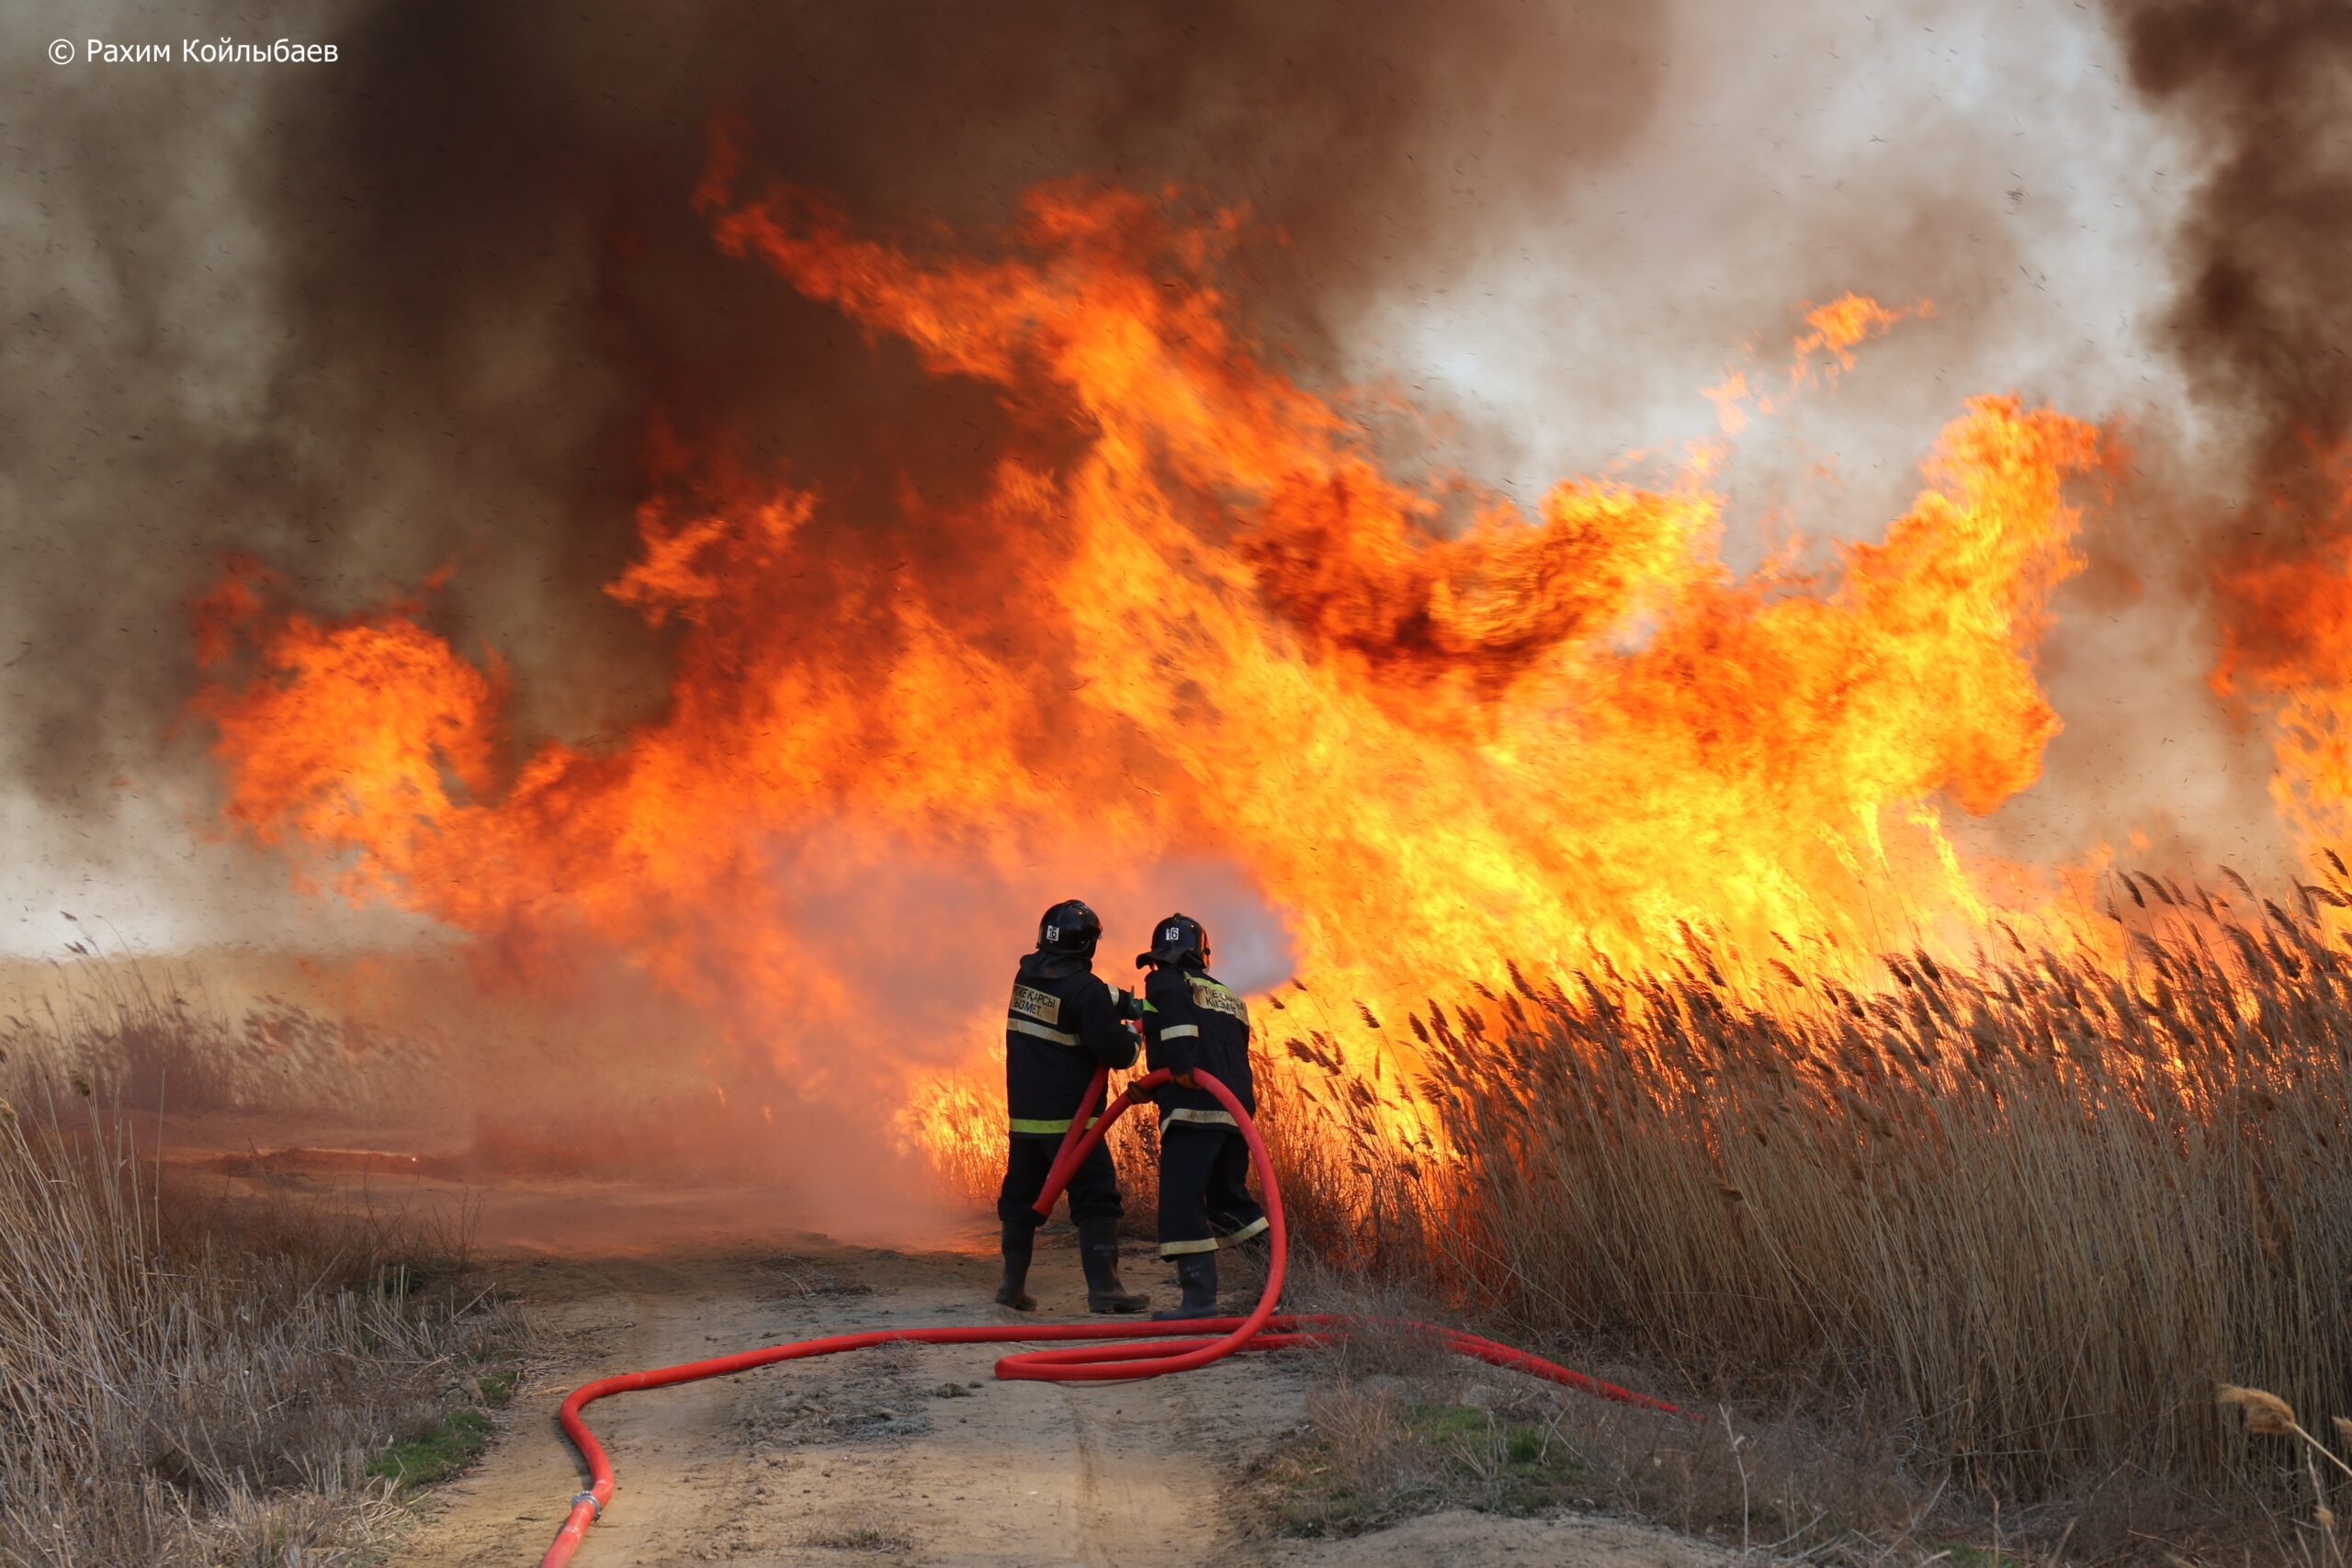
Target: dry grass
[(2031, 1211), (185, 1384), (869, 1535), (1399, 1426), (2045, 1207)]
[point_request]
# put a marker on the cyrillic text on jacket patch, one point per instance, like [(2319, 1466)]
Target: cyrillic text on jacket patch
[(1216, 999), (1043, 1006)]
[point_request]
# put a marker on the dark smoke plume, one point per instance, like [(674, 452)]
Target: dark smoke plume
[(2262, 324), (2263, 328), (445, 302)]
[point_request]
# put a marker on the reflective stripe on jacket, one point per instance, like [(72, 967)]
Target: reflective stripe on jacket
[(1061, 1022)]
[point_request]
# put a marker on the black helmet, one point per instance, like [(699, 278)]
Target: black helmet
[(1070, 927), (1178, 939)]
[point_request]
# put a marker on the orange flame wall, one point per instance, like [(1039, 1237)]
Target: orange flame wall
[(1190, 635)]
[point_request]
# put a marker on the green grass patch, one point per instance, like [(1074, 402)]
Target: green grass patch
[(497, 1389), (1371, 1463), (437, 1453)]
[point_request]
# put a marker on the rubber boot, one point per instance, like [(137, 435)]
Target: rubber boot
[(1197, 1271), (1013, 1290), (1098, 1253)]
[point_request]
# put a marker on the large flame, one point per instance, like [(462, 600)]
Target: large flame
[(1192, 636)]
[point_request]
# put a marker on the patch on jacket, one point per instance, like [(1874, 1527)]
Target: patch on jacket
[(1216, 999), (1043, 1006)]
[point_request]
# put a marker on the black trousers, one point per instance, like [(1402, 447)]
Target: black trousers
[(1205, 1200), (1093, 1188)]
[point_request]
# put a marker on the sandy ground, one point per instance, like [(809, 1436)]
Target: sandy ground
[(906, 1454)]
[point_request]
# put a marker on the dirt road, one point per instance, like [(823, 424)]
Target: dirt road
[(906, 1454)]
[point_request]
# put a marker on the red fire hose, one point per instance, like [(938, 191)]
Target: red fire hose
[(1262, 1330)]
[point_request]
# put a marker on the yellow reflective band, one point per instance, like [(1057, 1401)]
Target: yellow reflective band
[(1042, 1127), (1178, 1249), (1198, 1118), (1244, 1233), (1181, 1032), (1029, 1026)]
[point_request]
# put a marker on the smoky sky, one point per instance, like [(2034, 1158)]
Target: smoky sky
[(438, 303), (2262, 321), (442, 303)]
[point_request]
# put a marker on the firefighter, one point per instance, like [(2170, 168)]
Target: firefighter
[(1191, 1020), (1061, 1022)]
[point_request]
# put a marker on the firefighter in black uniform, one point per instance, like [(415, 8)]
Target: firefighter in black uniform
[(1062, 1021), (1192, 1020)]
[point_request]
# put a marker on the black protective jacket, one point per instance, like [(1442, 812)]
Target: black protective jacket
[(1062, 1024), (1191, 1020)]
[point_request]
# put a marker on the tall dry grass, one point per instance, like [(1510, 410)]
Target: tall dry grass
[(2043, 1202), (182, 1384)]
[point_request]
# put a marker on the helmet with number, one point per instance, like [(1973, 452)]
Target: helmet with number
[(1070, 927), (1179, 941)]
